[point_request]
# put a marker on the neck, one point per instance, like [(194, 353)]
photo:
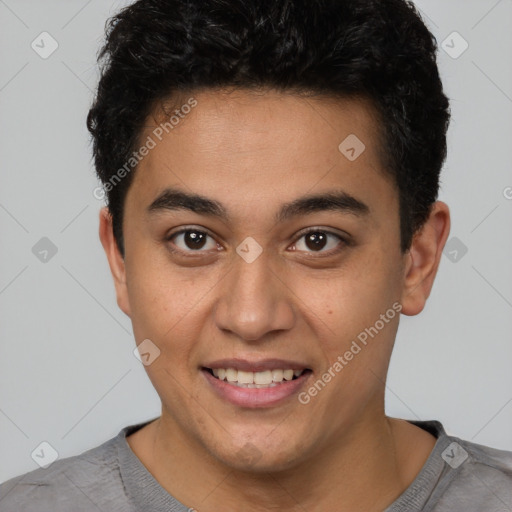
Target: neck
[(366, 470)]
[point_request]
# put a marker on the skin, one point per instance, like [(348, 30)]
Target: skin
[(252, 153)]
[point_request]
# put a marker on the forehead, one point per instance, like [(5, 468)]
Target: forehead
[(239, 121), (264, 145)]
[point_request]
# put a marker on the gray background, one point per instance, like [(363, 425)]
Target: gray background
[(67, 372)]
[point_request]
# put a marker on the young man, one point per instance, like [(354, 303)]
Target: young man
[(271, 171)]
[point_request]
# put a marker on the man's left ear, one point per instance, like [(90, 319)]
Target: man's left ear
[(422, 259)]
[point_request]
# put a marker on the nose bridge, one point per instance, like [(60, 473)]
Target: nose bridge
[(253, 300)]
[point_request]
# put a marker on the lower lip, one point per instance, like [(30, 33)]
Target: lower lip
[(256, 397)]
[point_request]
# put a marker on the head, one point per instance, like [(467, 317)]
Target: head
[(271, 171)]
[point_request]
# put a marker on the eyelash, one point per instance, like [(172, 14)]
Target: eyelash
[(343, 242)]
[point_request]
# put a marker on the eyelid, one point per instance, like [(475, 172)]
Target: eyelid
[(184, 229), (329, 231)]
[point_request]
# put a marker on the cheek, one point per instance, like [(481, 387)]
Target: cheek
[(345, 308), (166, 310), (159, 298), (353, 295), (170, 306)]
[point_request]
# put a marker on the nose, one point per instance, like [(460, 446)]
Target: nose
[(254, 301)]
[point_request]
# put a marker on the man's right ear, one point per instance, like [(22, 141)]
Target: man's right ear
[(115, 260)]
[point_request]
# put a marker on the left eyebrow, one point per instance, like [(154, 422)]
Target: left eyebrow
[(339, 201)]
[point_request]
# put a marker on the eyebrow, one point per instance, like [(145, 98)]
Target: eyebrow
[(339, 201)]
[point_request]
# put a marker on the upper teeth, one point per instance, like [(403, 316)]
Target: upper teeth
[(257, 379)]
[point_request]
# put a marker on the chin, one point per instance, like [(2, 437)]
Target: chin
[(260, 456)]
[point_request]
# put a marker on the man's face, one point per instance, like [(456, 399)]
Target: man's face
[(252, 290)]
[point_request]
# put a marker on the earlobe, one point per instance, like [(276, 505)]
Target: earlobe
[(115, 259), (422, 260)]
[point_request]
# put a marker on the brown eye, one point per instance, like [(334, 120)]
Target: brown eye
[(316, 241), (189, 240), (319, 241)]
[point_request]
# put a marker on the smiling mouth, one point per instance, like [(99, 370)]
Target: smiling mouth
[(263, 379)]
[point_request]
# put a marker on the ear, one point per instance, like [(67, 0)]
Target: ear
[(115, 260), (422, 259)]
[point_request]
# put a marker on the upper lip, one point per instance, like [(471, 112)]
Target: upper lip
[(256, 366)]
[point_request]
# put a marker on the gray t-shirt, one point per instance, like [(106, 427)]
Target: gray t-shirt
[(458, 476)]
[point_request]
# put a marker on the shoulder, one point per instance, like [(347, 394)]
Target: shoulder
[(459, 476), (475, 477), (483, 467), (86, 482)]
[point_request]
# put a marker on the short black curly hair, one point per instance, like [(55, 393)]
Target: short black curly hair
[(377, 49)]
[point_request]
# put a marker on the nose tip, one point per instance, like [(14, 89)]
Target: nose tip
[(254, 302), (252, 322)]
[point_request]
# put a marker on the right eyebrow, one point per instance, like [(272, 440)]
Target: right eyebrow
[(174, 199)]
